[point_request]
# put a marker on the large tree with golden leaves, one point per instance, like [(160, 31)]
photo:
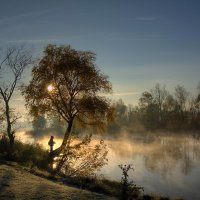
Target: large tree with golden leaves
[(67, 82)]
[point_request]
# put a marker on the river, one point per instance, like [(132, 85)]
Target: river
[(165, 164)]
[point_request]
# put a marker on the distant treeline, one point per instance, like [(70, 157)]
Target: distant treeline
[(158, 110)]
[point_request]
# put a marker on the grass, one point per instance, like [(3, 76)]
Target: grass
[(17, 183), (32, 155), (34, 160)]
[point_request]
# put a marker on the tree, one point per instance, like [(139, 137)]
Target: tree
[(146, 99), (149, 110), (181, 97), (159, 97), (129, 190), (13, 63), (198, 87), (120, 112), (194, 108), (39, 124), (68, 83), (83, 159), (169, 104), (1, 117)]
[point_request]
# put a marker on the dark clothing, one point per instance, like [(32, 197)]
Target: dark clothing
[(51, 143)]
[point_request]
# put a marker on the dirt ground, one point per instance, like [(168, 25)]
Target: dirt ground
[(16, 183)]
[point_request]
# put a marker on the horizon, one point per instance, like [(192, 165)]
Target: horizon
[(137, 43)]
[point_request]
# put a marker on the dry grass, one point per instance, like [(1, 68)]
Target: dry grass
[(16, 183)]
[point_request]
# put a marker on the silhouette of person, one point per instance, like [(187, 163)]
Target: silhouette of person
[(51, 143)]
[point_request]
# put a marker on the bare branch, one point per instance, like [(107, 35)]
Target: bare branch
[(17, 58)]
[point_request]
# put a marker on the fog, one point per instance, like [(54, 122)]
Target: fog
[(164, 163)]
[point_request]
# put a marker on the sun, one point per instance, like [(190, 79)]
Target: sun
[(50, 88)]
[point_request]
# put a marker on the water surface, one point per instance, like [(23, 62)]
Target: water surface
[(165, 164)]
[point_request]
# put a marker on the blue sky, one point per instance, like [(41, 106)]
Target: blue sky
[(138, 42)]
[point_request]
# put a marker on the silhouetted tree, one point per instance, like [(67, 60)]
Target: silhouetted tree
[(128, 190), (57, 124), (1, 116), (198, 87), (158, 109), (149, 110), (146, 99), (121, 109), (120, 115), (169, 104), (13, 63), (68, 83), (159, 97), (194, 111), (181, 97), (39, 123)]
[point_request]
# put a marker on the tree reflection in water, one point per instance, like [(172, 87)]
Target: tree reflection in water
[(161, 153), (165, 164), (172, 151)]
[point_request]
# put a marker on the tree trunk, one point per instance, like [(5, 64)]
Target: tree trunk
[(67, 134), (59, 150), (9, 126)]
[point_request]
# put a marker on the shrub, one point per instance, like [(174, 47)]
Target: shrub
[(26, 154), (148, 197)]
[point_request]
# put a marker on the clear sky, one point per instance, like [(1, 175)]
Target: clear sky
[(138, 42)]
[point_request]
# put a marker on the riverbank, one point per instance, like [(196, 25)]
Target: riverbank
[(16, 182), (19, 182), (32, 159)]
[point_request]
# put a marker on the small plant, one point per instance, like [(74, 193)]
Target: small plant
[(128, 189)]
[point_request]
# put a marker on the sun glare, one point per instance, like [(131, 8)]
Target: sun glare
[(50, 88)]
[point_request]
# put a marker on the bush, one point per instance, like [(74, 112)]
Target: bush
[(164, 198), (26, 154), (148, 197)]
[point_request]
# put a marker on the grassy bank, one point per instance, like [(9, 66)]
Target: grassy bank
[(33, 159), (17, 183)]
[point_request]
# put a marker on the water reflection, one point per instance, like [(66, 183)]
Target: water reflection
[(160, 153), (170, 152), (165, 164)]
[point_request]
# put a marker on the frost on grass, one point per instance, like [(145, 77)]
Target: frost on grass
[(16, 183)]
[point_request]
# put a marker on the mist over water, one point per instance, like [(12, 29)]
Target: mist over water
[(165, 164), (26, 137)]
